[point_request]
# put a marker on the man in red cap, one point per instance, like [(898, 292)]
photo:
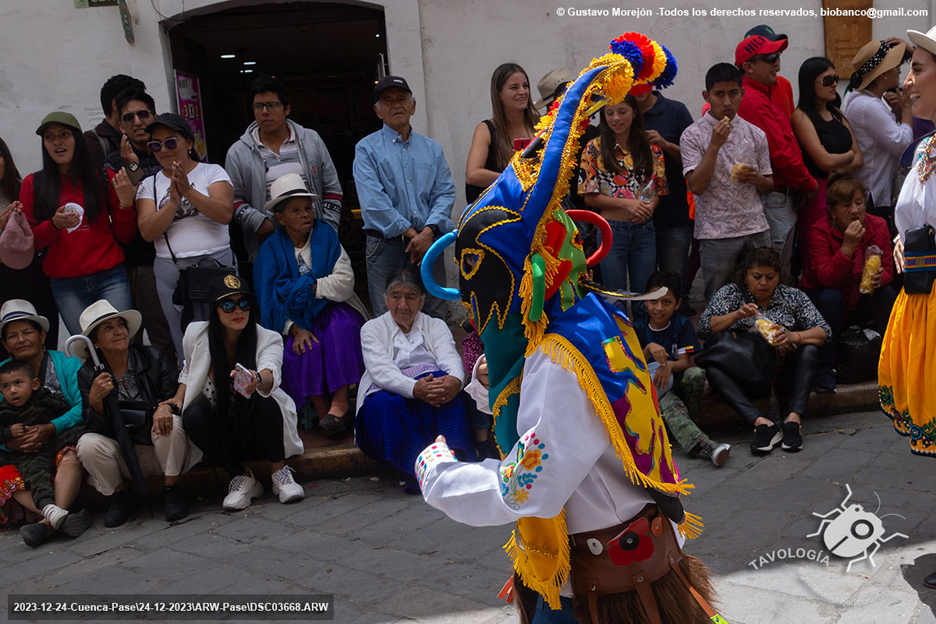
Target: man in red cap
[(758, 58)]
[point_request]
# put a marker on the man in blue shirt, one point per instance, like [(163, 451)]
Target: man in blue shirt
[(406, 192)]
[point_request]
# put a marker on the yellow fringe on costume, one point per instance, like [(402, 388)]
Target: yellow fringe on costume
[(544, 561), (539, 547), (567, 356), (907, 370)]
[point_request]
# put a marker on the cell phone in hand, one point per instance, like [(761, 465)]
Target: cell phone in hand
[(242, 377)]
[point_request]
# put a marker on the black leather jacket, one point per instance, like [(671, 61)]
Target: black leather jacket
[(157, 378)]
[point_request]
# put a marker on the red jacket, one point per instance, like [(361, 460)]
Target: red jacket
[(786, 159), (827, 267), (93, 247)]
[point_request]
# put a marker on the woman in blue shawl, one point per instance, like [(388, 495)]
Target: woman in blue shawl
[(306, 288)]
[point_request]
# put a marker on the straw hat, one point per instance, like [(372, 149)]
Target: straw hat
[(20, 310), (285, 188), (873, 59), (926, 40), (549, 84), (101, 311)]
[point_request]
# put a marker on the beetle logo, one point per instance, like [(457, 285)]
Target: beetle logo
[(849, 531)]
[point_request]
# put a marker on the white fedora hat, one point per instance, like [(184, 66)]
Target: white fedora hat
[(20, 310), (285, 188), (97, 313), (926, 40)]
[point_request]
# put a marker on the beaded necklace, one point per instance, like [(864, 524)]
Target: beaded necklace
[(926, 162)]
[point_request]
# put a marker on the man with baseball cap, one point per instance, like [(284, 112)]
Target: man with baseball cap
[(758, 58), (406, 192), (782, 93)]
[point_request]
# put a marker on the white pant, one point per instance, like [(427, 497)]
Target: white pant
[(170, 455)]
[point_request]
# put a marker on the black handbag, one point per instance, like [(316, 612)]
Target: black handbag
[(137, 417), (920, 260), (745, 355), (193, 280)]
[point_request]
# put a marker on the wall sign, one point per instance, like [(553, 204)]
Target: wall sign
[(188, 96)]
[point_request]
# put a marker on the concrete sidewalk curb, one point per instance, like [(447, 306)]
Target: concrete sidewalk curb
[(347, 460)]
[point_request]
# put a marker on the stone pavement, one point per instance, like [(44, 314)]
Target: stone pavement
[(389, 557)]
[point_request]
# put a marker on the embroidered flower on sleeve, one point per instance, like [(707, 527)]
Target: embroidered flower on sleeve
[(517, 478)]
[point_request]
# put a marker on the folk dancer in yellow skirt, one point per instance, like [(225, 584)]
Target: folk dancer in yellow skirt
[(908, 357), (907, 369)]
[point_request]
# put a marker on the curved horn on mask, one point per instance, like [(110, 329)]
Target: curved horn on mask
[(603, 226), (425, 270)]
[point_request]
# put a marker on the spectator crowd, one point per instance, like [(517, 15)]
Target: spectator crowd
[(782, 210)]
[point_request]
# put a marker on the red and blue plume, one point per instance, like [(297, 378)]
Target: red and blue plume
[(669, 74), (631, 51), (645, 45)]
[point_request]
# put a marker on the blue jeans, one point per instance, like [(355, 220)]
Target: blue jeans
[(633, 253), (386, 257), (74, 294)]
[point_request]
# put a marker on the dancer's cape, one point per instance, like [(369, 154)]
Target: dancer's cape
[(523, 278)]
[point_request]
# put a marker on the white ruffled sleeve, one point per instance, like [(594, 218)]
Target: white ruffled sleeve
[(561, 439)]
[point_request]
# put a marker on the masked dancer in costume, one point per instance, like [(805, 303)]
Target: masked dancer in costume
[(587, 473)]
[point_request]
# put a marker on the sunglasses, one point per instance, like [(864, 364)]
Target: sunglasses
[(828, 81), (144, 115), (170, 144), (767, 58), (228, 305)]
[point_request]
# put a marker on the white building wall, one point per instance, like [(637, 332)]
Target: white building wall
[(57, 57)]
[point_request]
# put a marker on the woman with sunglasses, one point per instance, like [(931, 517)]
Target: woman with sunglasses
[(823, 133), (185, 210), (233, 408), (79, 214)]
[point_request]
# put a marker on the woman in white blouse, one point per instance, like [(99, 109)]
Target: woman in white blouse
[(410, 390), (232, 406), (184, 210)]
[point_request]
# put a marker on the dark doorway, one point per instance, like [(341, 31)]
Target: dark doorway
[(327, 55)]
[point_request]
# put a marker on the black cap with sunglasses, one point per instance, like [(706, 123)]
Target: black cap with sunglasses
[(174, 122), (224, 286)]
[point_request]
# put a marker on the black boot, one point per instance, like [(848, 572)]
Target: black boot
[(173, 503), (929, 581), (120, 510)]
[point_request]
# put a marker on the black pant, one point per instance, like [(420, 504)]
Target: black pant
[(795, 380), (831, 305), (254, 431)]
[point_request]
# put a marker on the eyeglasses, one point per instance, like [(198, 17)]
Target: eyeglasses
[(228, 305), (170, 144), (767, 58), (828, 81), (270, 106), (144, 115)]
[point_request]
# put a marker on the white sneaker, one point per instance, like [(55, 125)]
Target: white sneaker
[(286, 487), (55, 515), (241, 489)]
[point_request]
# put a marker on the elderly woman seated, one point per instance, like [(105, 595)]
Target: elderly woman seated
[(792, 329), (306, 289), (836, 252), (131, 404), (410, 391)]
